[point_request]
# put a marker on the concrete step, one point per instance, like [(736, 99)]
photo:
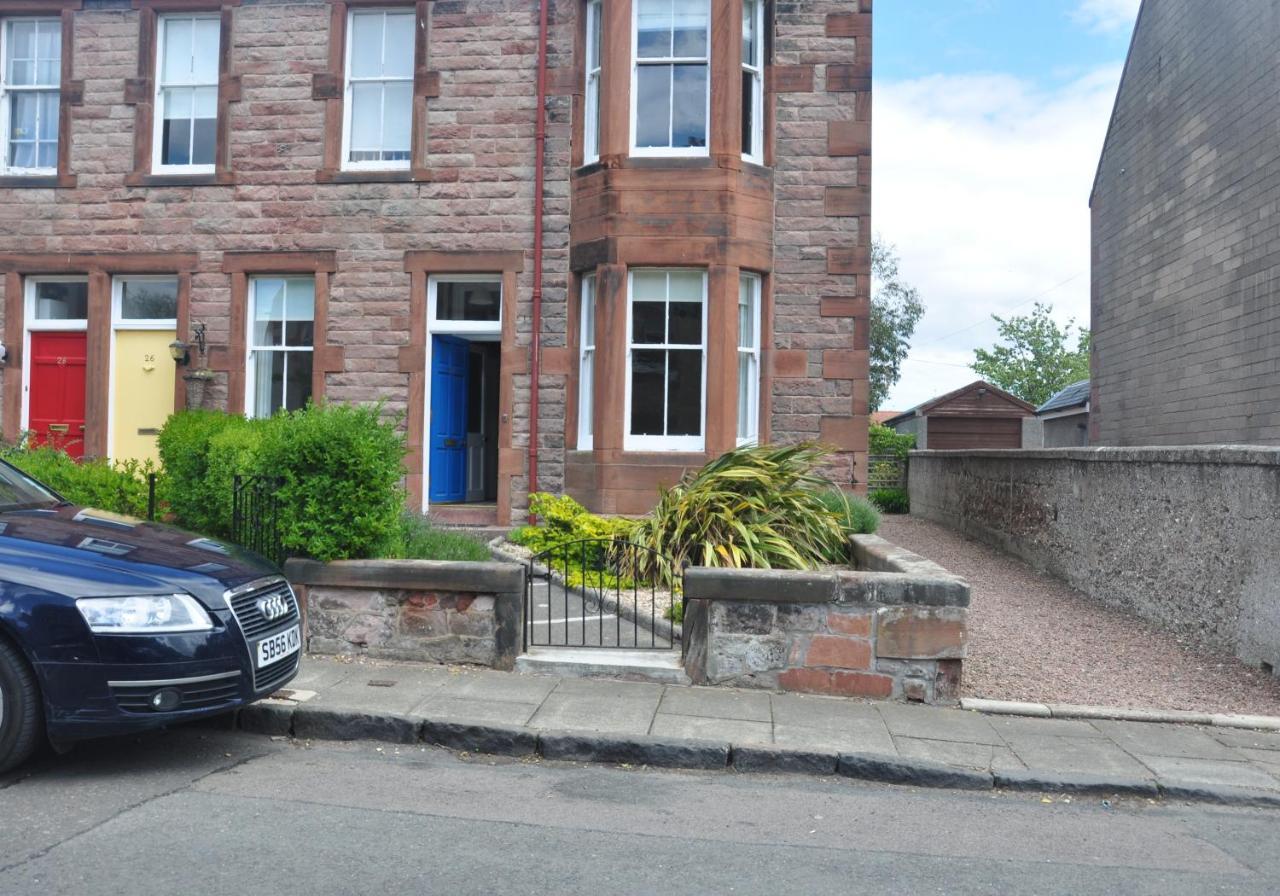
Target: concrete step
[(661, 666)]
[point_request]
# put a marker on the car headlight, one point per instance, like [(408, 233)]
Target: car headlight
[(147, 614)]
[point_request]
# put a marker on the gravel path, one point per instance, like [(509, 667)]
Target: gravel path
[(1034, 638)]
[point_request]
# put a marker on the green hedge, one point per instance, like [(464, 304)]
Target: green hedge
[(888, 442), (339, 469), (891, 500), (119, 487)]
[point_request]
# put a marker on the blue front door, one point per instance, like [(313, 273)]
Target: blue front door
[(448, 467)]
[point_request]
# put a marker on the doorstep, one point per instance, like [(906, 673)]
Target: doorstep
[(661, 666)]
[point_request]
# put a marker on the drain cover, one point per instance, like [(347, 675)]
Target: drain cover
[(382, 683)]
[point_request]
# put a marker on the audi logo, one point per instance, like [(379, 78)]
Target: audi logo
[(273, 607)]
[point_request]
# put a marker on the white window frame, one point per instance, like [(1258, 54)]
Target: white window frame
[(130, 324), (157, 124), (349, 84), (251, 307), (755, 68), (755, 291), (31, 325), (7, 91), (591, 90), (638, 63), (632, 442), (586, 364)]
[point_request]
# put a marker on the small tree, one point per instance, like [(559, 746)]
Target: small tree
[(896, 309), (1034, 359)]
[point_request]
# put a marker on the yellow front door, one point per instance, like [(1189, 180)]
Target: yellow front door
[(143, 397)]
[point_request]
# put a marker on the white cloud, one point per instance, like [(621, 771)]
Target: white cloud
[(1107, 15), (982, 182)]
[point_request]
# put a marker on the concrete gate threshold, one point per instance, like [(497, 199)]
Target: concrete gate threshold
[(661, 666)]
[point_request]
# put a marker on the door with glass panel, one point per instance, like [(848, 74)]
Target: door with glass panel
[(145, 318), (57, 318), (281, 343)]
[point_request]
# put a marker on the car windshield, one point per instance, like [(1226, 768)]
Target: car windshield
[(18, 491)]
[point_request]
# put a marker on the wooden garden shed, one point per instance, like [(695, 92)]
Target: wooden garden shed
[(978, 415)]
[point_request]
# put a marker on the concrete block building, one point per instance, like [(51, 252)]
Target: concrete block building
[(1186, 235), (580, 245)]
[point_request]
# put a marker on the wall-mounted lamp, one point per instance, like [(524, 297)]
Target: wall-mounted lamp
[(181, 351)]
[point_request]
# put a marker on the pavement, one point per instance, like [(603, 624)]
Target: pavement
[(204, 811), (644, 723)]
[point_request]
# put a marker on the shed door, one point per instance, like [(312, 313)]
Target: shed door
[(950, 433)]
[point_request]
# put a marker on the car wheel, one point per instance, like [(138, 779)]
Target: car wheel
[(19, 708)]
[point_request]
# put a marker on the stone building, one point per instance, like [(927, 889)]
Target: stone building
[(584, 269), (1186, 244)]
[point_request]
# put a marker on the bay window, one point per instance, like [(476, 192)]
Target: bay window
[(186, 105), (587, 364), (281, 344), (378, 107), (748, 359), (591, 104), (670, 91), (30, 78), (753, 80), (666, 360)]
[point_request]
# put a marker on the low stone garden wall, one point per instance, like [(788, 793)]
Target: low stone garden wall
[(417, 610), (893, 628)]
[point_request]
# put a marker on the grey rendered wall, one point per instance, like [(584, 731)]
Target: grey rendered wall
[(917, 426), (1064, 432), (1186, 538), (1186, 235)]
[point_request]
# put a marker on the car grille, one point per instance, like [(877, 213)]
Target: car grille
[(255, 626), (197, 695)]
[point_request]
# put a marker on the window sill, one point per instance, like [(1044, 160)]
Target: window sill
[(217, 179), (388, 176), (37, 181)]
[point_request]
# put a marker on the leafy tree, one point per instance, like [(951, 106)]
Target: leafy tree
[(896, 309), (1034, 359)]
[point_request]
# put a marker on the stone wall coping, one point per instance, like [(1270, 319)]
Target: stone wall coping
[(826, 586), (409, 575), (1249, 455)]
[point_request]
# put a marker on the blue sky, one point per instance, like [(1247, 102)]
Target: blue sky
[(989, 117)]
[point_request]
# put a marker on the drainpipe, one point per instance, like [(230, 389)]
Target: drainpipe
[(540, 152)]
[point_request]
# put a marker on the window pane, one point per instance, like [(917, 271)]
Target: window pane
[(299, 312), (689, 27), (49, 115), (22, 40), (366, 120), (684, 393), (47, 155), (22, 72), (689, 117), (647, 324), (653, 105), (686, 323), (298, 381), (268, 311), (746, 312), (748, 113), (746, 367), (268, 376), (149, 299), (686, 286), (62, 301), (176, 65), (649, 285), (204, 136), (175, 132), (399, 52), (468, 301), (366, 45), (397, 115), (653, 23), (205, 39), (24, 110), (593, 32), (647, 376), (49, 53), (750, 40)]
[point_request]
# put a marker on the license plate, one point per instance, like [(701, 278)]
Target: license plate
[(277, 647)]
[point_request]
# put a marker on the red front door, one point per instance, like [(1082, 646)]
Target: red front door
[(57, 390)]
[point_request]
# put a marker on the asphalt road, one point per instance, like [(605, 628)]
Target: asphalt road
[(205, 811)]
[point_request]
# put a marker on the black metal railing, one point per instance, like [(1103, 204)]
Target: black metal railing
[(886, 471), (601, 592), (255, 516)]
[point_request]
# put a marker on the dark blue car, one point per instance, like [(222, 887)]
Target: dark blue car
[(109, 624)]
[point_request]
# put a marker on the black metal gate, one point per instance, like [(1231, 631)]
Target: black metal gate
[(255, 516), (602, 593)]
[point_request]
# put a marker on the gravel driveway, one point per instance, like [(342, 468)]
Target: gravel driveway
[(1034, 638)]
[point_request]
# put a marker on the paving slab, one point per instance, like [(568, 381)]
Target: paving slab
[(1076, 754), (314, 675), (499, 686), (732, 730), (618, 690), (603, 713), (1144, 739), (1210, 771), (1013, 726), (1251, 740), (932, 723), (718, 703), (380, 690), (822, 712), (805, 722), (486, 712), (967, 755)]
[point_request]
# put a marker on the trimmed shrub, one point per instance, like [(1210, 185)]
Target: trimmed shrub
[(885, 441), (891, 500), (857, 515), (760, 507), (198, 479), (339, 468), (417, 539), (117, 487)]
